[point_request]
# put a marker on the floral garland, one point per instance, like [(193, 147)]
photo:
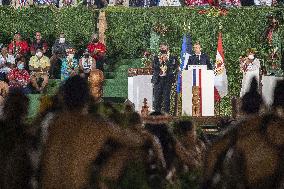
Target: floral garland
[(147, 59), (160, 55), (214, 12)]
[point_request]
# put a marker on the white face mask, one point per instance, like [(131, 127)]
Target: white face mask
[(251, 57), (61, 40), (39, 54), (71, 56)]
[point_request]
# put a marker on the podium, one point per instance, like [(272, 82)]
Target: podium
[(140, 87), (198, 91)]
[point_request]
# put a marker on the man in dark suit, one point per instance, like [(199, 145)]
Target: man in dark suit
[(164, 68), (199, 58)]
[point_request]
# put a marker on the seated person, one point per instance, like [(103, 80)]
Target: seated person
[(19, 77), (38, 43), (60, 45), (18, 46), (39, 66), (55, 66), (5, 68), (230, 3), (6, 61), (97, 51), (6, 56), (197, 2), (69, 65), (86, 64)]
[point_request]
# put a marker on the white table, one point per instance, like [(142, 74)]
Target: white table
[(268, 85), (140, 87)]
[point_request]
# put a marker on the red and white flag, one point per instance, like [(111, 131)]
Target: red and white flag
[(220, 80)]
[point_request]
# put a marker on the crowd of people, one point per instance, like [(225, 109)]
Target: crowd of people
[(139, 3), (75, 144), (29, 66)]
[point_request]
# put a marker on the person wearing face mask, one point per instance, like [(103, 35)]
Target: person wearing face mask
[(164, 67), (97, 51), (250, 67), (199, 58), (19, 77), (60, 45), (39, 66), (70, 66), (86, 64)]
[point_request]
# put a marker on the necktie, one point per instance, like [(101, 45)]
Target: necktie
[(198, 59)]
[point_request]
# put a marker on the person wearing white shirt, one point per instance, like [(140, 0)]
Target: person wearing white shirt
[(169, 3), (264, 2), (250, 67), (5, 57), (6, 62)]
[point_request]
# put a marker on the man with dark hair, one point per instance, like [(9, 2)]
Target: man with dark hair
[(252, 100), (16, 168), (164, 67), (18, 46), (85, 138), (75, 93), (199, 58), (60, 45), (38, 43)]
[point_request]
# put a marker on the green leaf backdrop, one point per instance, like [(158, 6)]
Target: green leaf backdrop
[(129, 29), (78, 23)]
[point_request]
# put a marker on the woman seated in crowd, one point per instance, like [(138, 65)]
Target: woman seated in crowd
[(86, 64), (69, 65), (19, 77)]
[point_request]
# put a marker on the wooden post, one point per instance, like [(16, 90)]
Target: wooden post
[(102, 26)]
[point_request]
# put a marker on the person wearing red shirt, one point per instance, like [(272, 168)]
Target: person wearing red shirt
[(19, 77), (19, 47), (97, 51), (38, 43)]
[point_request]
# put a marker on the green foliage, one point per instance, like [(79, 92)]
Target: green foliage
[(135, 176), (78, 23), (129, 32), (129, 29)]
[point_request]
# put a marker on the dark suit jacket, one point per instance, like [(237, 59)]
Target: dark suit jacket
[(204, 60), (172, 65)]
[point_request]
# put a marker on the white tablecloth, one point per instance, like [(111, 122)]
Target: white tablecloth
[(140, 87), (268, 85)]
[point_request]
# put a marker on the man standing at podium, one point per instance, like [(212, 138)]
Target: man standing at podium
[(199, 58), (164, 74)]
